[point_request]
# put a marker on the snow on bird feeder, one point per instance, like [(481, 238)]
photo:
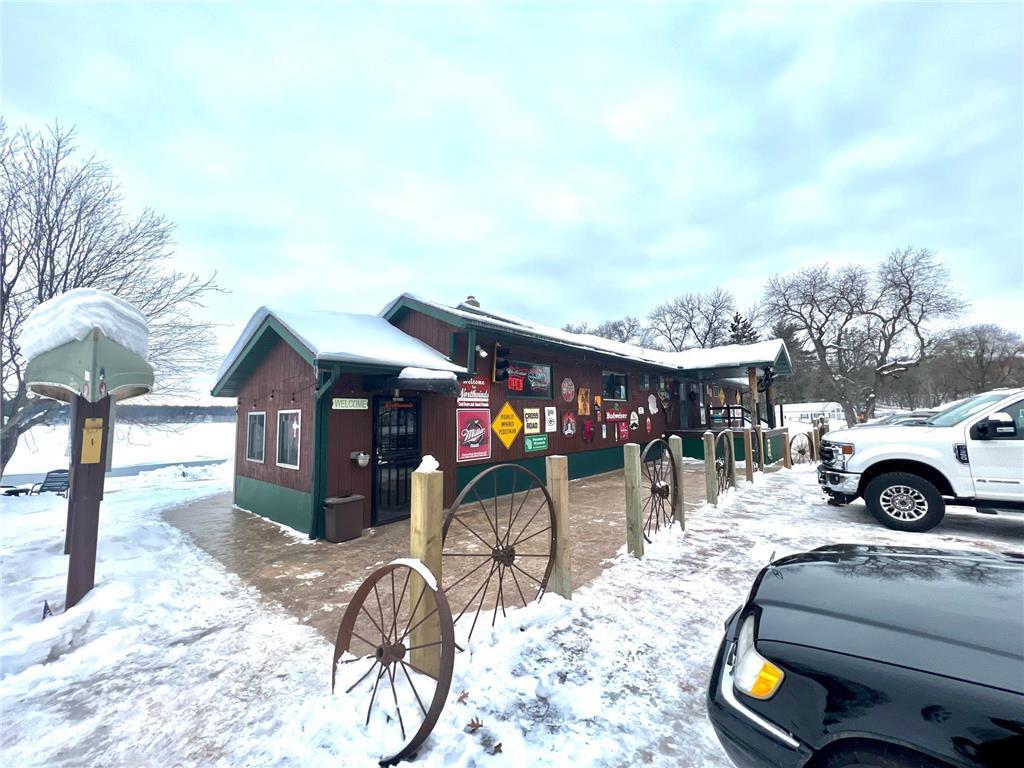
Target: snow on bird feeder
[(87, 343)]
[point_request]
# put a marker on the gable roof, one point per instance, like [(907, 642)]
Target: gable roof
[(335, 337), (729, 360)]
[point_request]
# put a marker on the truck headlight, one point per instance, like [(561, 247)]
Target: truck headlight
[(753, 674)]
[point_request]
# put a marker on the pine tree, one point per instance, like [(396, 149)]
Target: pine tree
[(742, 331)]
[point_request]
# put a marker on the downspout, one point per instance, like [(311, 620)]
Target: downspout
[(320, 413)]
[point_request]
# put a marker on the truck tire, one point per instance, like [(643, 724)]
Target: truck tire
[(904, 502)]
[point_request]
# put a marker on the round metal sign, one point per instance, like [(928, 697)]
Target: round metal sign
[(568, 389)]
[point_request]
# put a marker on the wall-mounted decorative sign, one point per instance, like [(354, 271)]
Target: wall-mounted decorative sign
[(350, 404), (568, 389), (507, 425), (528, 379), (583, 401), (531, 421), (650, 425), (604, 431), (536, 443), (634, 420), (623, 430), (616, 414), (652, 404), (588, 431), (473, 441), (599, 408), (474, 392), (550, 419), (569, 424)]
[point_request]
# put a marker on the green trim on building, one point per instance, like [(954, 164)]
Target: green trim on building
[(283, 505), (255, 350)]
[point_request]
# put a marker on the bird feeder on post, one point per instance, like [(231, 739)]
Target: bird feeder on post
[(86, 348)]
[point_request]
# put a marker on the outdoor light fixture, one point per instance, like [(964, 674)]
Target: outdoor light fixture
[(481, 351), (362, 458)]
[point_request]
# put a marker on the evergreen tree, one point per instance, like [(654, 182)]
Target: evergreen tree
[(742, 331)]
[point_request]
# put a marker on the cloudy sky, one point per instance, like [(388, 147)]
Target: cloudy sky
[(564, 162)]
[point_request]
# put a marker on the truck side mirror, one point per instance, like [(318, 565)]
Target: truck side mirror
[(996, 426)]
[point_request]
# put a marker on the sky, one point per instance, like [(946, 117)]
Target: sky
[(564, 162)]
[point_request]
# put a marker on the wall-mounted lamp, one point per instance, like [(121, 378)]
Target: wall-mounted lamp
[(362, 458), (481, 351)]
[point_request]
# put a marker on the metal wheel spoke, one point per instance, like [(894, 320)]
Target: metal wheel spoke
[(532, 518), (482, 597), (463, 524), (520, 589), (418, 623), (480, 501), (466, 575), (365, 674), (370, 617), (470, 601), (424, 645), (520, 509), (411, 685), (394, 695), (527, 575), (373, 696), (380, 608), (538, 533)]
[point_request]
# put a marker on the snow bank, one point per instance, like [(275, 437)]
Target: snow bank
[(73, 315)]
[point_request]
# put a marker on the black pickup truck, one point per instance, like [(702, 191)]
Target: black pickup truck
[(853, 655)]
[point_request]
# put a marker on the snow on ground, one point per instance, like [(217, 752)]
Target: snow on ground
[(171, 660), (44, 448)]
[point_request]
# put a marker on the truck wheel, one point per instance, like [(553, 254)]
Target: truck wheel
[(904, 502)]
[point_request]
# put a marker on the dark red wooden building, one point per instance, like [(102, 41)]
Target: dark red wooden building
[(333, 404)]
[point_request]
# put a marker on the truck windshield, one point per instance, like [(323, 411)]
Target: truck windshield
[(967, 408)]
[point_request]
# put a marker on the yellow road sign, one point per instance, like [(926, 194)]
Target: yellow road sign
[(506, 425)]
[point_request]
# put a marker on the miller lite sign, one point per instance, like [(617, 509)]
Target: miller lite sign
[(473, 434)]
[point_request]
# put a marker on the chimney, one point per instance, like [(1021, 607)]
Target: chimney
[(471, 301)]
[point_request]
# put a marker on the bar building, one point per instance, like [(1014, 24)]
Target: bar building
[(332, 404)]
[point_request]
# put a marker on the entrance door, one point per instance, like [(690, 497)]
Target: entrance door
[(396, 438)]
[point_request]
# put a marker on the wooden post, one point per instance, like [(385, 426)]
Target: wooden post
[(710, 478), (675, 444), (813, 436), (730, 458), (425, 523), (560, 581), (634, 523), (787, 460), (88, 467), (752, 385), (748, 454), (759, 436)]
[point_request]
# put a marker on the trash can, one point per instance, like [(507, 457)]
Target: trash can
[(343, 517)]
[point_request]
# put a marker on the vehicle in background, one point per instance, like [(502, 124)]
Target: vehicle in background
[(876, 657), (969, 454)]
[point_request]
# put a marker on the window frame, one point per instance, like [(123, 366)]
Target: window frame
[(248, 434), (550, 395), (298, 440), (604, 391)]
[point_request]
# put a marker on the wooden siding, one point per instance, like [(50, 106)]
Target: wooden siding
[(349, 431), (282, 372), (431, 331)]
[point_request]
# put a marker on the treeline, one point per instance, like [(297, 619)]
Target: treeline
[(858, 335)]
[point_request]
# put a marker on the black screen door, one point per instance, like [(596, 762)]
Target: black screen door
[(396, 435)]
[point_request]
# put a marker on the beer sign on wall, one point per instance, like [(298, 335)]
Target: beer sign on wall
[(473, 434)]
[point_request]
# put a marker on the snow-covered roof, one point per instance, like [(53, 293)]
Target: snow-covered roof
[(73, 315), (772, 352), (345, 338)]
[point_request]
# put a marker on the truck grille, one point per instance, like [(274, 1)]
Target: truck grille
[(828, 453)]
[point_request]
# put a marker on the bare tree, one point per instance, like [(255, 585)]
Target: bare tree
[(628, 330), (866, 327), (982, 357), (692, 320), (62, 226)]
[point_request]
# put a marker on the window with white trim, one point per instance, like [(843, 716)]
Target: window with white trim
[(256, 436), (289, 431), (614, 386)]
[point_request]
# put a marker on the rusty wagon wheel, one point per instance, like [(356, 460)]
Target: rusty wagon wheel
[(396, 649), (496, 538), (659, 487), (800, 448)]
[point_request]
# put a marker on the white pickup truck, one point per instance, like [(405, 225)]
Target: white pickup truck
[(971, 455)]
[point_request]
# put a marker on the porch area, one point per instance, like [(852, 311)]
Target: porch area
[(314, 579)]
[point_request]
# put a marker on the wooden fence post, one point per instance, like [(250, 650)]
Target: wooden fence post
[(710, 473), (560, 581), (730, 458), (813, 436), (634, 524), (675, 444), (787, 460), (425, 523), (759, 436), (748, 454)]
